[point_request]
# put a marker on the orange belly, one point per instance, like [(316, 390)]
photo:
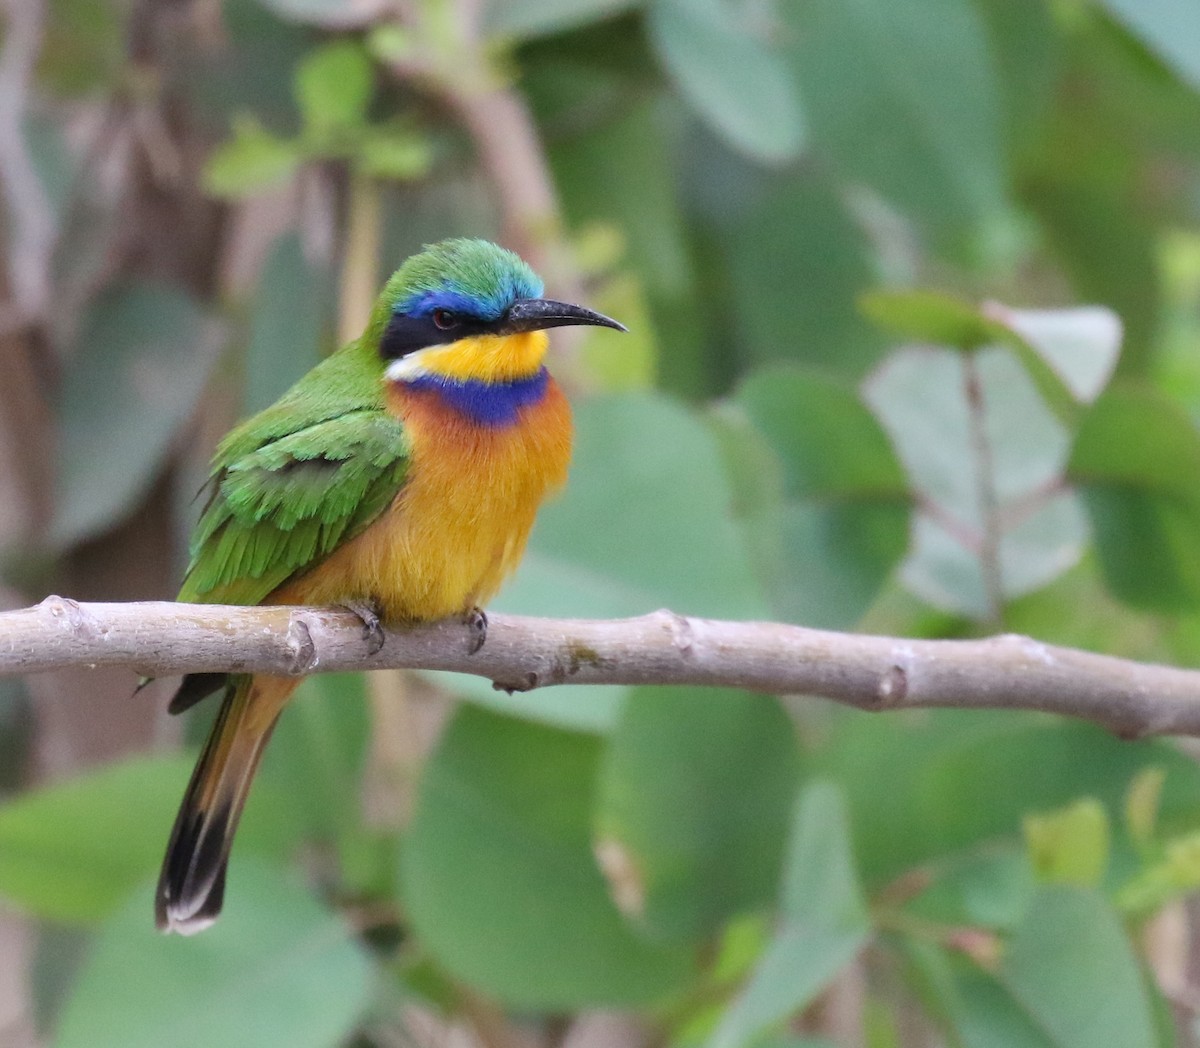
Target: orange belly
[(459, 525)]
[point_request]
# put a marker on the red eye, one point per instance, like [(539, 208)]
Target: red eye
[(444, 319)]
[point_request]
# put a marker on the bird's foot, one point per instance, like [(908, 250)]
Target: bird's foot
[(477, 620), (368, 613)]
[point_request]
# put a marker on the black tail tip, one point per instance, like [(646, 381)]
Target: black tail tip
[(188, 915)]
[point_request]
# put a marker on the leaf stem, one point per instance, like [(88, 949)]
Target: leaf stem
[(985, 468)]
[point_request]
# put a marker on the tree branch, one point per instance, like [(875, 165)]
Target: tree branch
[(871, 673)]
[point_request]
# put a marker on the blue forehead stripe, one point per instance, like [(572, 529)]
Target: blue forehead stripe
[(491, 306), (492, 404)]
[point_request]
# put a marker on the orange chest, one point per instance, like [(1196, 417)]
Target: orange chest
[(459, 525)]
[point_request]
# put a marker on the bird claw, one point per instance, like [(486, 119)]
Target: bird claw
[(368, 614), (477, 620)]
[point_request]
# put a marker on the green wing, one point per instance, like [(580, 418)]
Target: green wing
[(281, 502)]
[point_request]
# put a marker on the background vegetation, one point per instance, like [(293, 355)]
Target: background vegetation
[(809, 213)]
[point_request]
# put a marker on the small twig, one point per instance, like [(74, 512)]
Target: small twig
[(871, 673)]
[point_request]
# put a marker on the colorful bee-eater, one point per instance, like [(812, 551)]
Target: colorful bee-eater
[(399, 477)]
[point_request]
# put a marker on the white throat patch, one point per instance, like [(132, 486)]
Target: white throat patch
[(407, 368)]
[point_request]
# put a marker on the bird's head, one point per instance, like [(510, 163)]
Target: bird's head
[(468, 310)]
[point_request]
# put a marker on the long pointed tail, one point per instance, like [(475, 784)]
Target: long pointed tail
[(191, 886)]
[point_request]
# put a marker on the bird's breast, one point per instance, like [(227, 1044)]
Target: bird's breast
[(478, 473)]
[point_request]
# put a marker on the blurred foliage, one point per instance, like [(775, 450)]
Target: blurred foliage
[(882, 262)]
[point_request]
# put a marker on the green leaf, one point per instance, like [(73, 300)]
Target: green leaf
[(251, 161), (756, 475), (728, 69), (143, 356), (843, 525), (1069, 354), (1137, 458), (903, 96), (1109, 248), (526, 19), (1026, 39), (1078, 610), (1170, 28), (820, 880), (1070, 846), (1082, 345), (1141, 805), (921, 396), (796, 966), (988, 887), (622, 173), (278, 969), (1025, 767), (695, 792), (801, 236), (317, 753), (286, 323), (1174, 876), (977, 1007), (395, 154), (650, 470), (499, 879), (932, 316), (952, 781), (630, 366), (73, 851), (986, 1015), (1072, 968), (824, 922), (333, 88)]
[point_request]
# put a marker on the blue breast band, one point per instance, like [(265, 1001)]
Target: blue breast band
[(495, 404)]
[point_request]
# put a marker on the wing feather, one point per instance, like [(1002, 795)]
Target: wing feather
[(279, 508)]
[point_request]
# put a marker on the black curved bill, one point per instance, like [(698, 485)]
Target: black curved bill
[(534, 314)]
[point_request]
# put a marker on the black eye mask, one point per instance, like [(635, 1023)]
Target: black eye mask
[(406, 333)]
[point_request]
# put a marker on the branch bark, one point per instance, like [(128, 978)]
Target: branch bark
[(871, 673)]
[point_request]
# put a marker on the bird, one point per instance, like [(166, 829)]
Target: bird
[(400, 477)]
